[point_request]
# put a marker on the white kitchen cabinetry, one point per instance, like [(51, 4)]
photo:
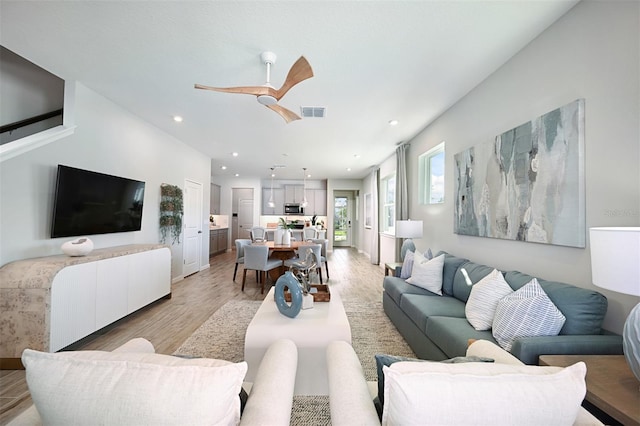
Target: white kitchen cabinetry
[(214, 208), (278, 200), (293, 193)]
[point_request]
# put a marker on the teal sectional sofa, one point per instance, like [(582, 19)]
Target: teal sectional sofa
[(436, 327)]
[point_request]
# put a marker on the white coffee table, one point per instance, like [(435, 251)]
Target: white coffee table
[(312, 330)]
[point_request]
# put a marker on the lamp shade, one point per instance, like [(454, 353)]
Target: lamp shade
[(615, 259), (408, 229)]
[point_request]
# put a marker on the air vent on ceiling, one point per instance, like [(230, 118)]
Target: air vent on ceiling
[(313, 112)]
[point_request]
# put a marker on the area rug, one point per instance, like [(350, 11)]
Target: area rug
[(222, 337)]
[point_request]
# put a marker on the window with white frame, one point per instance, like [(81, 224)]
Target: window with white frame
[(388, 196), (431, 175)]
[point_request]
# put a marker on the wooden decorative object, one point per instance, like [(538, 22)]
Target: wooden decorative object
[(323, 294)]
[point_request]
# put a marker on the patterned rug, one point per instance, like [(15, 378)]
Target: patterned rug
[(222, 337)]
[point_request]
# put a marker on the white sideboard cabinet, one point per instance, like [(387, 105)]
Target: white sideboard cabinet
[(56, 301)]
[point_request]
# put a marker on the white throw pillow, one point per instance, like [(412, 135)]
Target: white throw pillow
[(526, 312), (108, 388), (483, 300), (407, 265), (482, 394), (427, 274)]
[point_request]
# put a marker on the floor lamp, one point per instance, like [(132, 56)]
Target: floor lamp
[(408, 229), (615, 265)]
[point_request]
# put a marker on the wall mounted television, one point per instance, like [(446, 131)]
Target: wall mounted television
[(88, 203)]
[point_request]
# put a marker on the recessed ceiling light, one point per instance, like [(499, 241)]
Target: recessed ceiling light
[(393, 122), (237, 174), (223, 167), (177, 119), (348, 169), (235, 154)]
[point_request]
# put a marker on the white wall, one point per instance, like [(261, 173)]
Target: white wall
[(592, 52), (109, 140)]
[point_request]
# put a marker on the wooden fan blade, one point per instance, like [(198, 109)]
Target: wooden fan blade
[(300, 71), (243, 90), (288, 115)]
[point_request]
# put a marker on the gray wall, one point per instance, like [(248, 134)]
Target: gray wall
[(109, 140), (592, 52)]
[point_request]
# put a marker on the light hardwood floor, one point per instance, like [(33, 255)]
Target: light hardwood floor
[(170, 322)]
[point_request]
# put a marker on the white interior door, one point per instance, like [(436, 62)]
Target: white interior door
[(245, 217), (192, 227)]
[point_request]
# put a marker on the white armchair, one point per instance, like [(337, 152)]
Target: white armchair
[(270, 395), (351, 396)]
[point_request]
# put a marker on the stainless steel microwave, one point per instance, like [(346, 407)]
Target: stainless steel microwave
[(293, 208)]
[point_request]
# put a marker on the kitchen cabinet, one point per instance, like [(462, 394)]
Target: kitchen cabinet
[(316, 202), (293, 193), (319, 202), (214, 207), (278, 199), (218, 241)]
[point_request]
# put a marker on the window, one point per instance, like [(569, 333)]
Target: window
[(431, 175), (388, 195)]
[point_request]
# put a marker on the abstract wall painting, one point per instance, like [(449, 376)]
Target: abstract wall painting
[(527, 184)]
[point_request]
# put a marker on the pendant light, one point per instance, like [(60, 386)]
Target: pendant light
[(271, 203), (304, 188)]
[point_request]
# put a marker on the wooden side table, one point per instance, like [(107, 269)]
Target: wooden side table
[(611, 386), (391, 267)]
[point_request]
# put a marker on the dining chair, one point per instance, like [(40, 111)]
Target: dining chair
[(257, 258), (299, 261), (240, 244), (258, 233), (309, 233), (323, 258)]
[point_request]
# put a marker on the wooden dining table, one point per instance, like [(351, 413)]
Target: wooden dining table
[(282, 252)]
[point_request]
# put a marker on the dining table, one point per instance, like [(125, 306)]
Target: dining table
[(282, 252)]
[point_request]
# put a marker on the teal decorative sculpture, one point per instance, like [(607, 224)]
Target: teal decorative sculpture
[(289, 281)]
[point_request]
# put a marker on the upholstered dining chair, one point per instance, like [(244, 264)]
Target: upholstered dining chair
[(240, 244), (309, 233), (257, 258), (258, 233), (302, 255), (323, 258)]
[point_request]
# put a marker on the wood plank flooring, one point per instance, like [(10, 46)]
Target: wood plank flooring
[(169, 322)]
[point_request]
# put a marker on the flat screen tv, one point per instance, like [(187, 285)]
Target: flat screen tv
[(88, 203)]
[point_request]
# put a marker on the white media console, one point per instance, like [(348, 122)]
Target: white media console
[(52, 302)]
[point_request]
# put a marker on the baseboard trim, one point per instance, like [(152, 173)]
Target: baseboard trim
[(11, 364), (177, 279)]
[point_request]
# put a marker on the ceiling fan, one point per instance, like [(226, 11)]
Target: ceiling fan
[(267, 95)]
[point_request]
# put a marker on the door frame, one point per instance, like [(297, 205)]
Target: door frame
[(350, 196)]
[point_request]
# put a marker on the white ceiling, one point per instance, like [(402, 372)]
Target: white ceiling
[(373, 61)]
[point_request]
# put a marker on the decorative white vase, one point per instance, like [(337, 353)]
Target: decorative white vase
[(631, 340), (286, 237), (277, 237), (78, 247)]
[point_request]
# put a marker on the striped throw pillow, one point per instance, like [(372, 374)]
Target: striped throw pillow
[(527, 312)]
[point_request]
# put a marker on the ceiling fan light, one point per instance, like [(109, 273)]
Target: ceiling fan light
[(267, 100)]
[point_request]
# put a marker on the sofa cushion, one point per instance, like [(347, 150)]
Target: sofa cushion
[(583, 309), (427, 273), (483, 300), (418, 308), (526, 312), (475, 271), (451, 265), (452, 335), (396, 287), (103, 388), (482, 394)]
